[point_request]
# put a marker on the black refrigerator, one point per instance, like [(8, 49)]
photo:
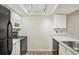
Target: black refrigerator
[(5, 31)]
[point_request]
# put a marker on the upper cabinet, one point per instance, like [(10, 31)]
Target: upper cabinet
[(15, 19), (15, 16), (59, 21)]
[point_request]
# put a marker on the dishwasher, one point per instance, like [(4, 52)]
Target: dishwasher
[(55, 47), (23, 46)]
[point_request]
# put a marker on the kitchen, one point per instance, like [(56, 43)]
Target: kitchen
[(41, 29)]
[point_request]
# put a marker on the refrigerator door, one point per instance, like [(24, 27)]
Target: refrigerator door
[(5, 31), (9, 38), (4, 20)]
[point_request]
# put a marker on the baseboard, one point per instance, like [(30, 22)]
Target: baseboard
[(39, 50)]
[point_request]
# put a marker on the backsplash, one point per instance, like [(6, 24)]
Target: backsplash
[(60, 31)]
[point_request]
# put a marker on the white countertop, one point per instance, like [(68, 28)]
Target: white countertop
[(61, 38), (15, 40)]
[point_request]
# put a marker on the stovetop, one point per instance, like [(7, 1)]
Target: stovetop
[(20, 37)]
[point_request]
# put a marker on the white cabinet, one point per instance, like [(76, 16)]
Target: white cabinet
[(16, 48), (61, 50), (15, 16), (59, 21), (69, 53), (15, 19), (64, 51)]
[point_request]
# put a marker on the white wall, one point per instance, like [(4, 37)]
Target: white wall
[(73, 24), (38, 30)]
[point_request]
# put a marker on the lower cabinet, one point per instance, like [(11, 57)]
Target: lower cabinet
[(61, 50), (64, 51), (16, 48)]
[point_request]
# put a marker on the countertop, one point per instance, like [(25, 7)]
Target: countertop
[(20, 37), (61, 38), (17, 39)]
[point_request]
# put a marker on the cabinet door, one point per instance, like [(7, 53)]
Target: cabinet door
[(15, 16), (62, 50), (59, 21), (69, 52), (18, 48), (14, 50)]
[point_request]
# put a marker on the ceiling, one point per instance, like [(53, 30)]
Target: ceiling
[(39, 9), (66, 8), (43, 9)]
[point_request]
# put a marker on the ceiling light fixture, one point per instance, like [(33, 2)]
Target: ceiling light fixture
[(55, 7), (45, 7)]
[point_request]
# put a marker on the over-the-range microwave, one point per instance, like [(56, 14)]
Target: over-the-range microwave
[(16, 25)]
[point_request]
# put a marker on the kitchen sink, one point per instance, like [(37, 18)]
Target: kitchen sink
[(73, 44)]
